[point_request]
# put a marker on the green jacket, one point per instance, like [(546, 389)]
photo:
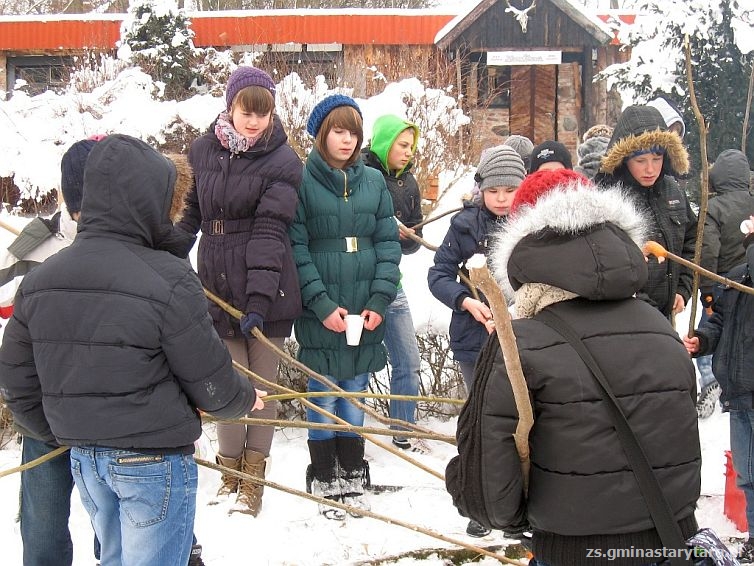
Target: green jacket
[(334, 205)]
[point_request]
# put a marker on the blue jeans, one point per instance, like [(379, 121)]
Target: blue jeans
[(742, 451), (142, 506), (403, 353), (45, 505), (338, 406)]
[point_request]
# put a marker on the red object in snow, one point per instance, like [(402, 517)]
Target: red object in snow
[(734, 504), (6, 312)]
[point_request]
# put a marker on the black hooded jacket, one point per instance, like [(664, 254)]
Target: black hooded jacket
[(672, 221), (582, 493), (110, 343), (722, 238)]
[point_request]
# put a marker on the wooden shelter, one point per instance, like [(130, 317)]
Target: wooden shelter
[(526, 67)]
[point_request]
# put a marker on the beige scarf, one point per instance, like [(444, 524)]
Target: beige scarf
[(533, 297)]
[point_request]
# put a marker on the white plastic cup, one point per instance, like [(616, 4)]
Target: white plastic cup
[(746, 226), (354, 326)]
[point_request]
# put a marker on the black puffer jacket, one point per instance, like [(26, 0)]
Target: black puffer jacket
[(729, 335), (672, 222), (721, 242), (582, 493), (244, 204), (110, 342)]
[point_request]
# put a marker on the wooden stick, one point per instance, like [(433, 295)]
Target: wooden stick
[(362, 394), (703, 187), (656, 249), (329, 426), (9, 228), (437, 217), (483, 280)]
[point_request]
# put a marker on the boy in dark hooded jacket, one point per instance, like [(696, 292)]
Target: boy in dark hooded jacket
[(643, 156), (721, 249), (111, 351)]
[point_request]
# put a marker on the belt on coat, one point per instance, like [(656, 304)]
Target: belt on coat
[(347, 244), (221, 226)]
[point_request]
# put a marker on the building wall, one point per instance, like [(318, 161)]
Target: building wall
[(368, 68), (3, 74)]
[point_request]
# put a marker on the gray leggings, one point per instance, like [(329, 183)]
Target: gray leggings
[(234, 438)]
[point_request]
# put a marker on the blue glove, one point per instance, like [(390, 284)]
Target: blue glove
[(250, 321)]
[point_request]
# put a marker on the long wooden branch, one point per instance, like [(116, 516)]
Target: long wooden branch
[(703, 187), (744, 133), (656, 249), (336, 427), (483, 280)]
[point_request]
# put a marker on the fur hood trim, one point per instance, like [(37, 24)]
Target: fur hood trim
[(623, 148), (571, 209), (184, 182)]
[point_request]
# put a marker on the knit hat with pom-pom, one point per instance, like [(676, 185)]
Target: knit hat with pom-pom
[(324, 107)]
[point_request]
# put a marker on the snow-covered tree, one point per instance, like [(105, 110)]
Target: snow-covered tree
[(721, 40), (156, 36)]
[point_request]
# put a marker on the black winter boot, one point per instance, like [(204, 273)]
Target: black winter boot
[(354, 472), (322, 476)]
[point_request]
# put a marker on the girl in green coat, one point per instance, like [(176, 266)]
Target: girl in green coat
[(345, 243)]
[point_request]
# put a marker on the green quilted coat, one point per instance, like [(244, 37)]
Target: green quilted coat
[(334, 205)]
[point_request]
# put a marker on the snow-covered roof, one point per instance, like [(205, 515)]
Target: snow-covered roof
[(589, 22)]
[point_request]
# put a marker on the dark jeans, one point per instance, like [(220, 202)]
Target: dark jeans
[(45, 505)]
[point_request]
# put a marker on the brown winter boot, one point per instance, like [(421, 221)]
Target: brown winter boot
[(229, 483), (250, 493)]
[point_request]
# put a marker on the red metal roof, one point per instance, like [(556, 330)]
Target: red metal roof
[(241, 28)]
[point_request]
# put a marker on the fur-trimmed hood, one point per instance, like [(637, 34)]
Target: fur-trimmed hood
[(640, 128), (134, 193), (577, 238)]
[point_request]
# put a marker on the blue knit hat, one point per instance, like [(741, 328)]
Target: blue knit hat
[(325, 106), (244, 77), (72, 173)]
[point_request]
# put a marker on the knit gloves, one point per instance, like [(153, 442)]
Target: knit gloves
[(249, 322)]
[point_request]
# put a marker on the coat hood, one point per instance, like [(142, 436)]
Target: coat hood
[(385, 131), (670, 113), (134, 193), (640, 128), (730, 172), (577, 238)]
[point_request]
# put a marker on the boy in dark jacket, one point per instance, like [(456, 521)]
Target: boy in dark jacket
[(721, 249), (574, 251), (729, 335), (111, 351), (644, 157), (391, 151)]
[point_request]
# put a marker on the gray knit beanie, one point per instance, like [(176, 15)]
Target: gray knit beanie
[(522, 145), (500, 166), (590, 155)]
